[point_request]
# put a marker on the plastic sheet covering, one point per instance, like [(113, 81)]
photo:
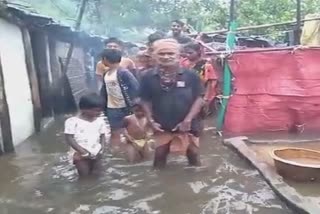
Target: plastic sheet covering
[(311, 31), (274, 91)]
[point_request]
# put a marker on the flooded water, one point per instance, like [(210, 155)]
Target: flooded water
[(38, 179)]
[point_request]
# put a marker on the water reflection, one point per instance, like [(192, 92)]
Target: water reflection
[(42, 181)]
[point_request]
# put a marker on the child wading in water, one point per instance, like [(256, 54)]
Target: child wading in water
[(137, 135), (85, 133)]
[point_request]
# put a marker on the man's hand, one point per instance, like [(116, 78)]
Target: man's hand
[(156, 126), (184, 126)]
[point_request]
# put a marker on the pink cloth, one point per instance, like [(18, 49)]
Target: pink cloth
[(274, 90)]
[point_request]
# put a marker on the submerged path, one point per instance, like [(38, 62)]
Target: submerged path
[(38, 179)]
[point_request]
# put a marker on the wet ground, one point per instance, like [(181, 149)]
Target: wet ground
[(38, 179)]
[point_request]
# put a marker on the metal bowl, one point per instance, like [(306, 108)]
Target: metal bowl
[(298, 164)]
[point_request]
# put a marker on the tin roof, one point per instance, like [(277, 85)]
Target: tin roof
[(26, 14)]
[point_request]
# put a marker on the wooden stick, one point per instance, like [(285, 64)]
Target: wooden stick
[(32, 74), (263, 50), (206, 46), (5, 122), (77, 27), (258, 26)]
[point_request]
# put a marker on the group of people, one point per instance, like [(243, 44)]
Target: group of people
[(157, 103)]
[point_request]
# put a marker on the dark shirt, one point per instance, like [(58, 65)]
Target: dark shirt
[(142, 72), (171, 106), (183, 39)]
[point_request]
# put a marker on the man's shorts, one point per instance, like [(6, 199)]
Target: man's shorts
[(115, 117), (179, 142)]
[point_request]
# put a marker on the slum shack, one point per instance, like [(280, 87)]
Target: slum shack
[(34, 89)]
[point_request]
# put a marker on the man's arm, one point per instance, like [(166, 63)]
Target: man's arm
[(101, 69), (146, 97), (132, 65), (195, 109), (147, 106), (128, 63), (198, 91), (133, 83)]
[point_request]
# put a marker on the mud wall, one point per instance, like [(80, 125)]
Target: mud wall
[(274, 91)]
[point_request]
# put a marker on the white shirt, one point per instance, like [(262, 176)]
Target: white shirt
[(114, 93), (86, 134)]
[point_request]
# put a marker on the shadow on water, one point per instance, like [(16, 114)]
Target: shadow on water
[(38, 179)]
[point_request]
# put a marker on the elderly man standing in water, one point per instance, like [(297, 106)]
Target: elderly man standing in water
[(172, 98)]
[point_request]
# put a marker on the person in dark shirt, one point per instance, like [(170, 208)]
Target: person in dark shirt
[(172, 98), (177, 32)]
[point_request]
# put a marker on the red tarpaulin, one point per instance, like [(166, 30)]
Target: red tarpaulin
[(274, 91)]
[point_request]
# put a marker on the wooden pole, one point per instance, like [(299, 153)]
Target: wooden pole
[(292, 48), (33, 79), (258, 26), (77, 27), (5, 122), (298, 24)]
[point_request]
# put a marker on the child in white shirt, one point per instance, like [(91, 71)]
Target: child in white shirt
[(85, 133)]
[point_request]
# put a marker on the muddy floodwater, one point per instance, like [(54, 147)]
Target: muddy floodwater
[(38, 179)]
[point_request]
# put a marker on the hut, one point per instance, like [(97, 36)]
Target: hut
[(33, 87)]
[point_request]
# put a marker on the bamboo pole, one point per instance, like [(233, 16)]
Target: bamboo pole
[(232, 12), (298, 24), (259, 26), (77, 27), (227, 76), (32, 74), (252, 50)]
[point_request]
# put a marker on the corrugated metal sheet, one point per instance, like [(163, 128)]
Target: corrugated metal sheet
[(30, 16)]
